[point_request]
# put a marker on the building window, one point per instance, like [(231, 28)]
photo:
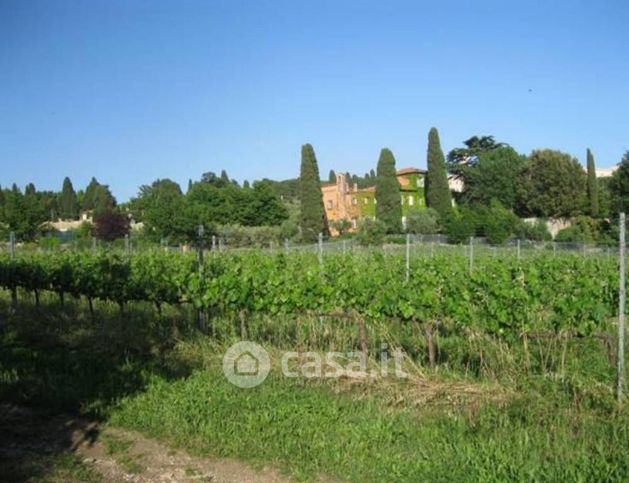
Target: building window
[(404, 222), (330, 204), (366, 201), (354, 200), (420, 182), (402, 199), (411, 200)]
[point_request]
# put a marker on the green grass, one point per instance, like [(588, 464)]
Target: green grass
[(310, 430), (544, 414)]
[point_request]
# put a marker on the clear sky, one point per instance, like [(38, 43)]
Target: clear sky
[(130, 91)]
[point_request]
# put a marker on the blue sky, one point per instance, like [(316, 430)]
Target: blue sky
[(131, 91)]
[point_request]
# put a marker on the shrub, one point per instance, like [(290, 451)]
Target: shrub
[(423, 222), (584, 230), (371, 232), (460, 225), (536, 231), (111, 225)]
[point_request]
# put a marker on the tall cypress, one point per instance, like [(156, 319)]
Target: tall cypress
[(332, 176), (388, 206), (68, 203), (437, 190), (592, 185), (89, 199), (312, 220)]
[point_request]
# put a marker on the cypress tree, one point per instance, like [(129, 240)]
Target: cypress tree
[(592, 185), (89, 198), (224, 176), (332, 176), (68, 203), (437, 190), (312, 218), (388, 206)]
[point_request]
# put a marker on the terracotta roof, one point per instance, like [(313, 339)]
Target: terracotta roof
[(410, 171)]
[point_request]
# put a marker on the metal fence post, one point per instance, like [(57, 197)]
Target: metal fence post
[(12, 244), (213, 243), (408, 256), (320, 248), (471, 254), (286, 248), (621, 314), (200, 233), (344, 246), (519, 253)]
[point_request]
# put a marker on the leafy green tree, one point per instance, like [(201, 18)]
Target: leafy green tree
[(161, 207), (388, 205), (592, 185), (24, 214), (224, 176), (437, 190), (313, 219), (246, 185), (553, 185), (474, 147), (493, 175), (619, 186), (68, 203), (264, 207)]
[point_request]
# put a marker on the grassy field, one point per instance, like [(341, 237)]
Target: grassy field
[(489, 411)]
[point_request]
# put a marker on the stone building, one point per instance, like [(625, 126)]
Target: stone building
[(345, 201)]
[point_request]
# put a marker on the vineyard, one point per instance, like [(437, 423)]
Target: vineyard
[(504, 297), (502, 354)]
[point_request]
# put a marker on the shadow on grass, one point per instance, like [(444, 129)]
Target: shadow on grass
[(61, 372)]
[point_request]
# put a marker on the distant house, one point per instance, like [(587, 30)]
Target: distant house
[(343, 201)]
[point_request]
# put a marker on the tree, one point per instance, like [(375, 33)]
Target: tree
[(619, 186), (313, 219), (68, 203), (332, 176), (592, 186), (224, 176), (24, 214), (89, 196), (494, 175), (111, 225), (474, 147), (388, 205), (265, 208), (553, 185), (437, 190), (103, 200), (161, 207)]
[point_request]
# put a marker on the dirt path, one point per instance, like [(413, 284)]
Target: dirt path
[(31, 442), (121, 455)]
